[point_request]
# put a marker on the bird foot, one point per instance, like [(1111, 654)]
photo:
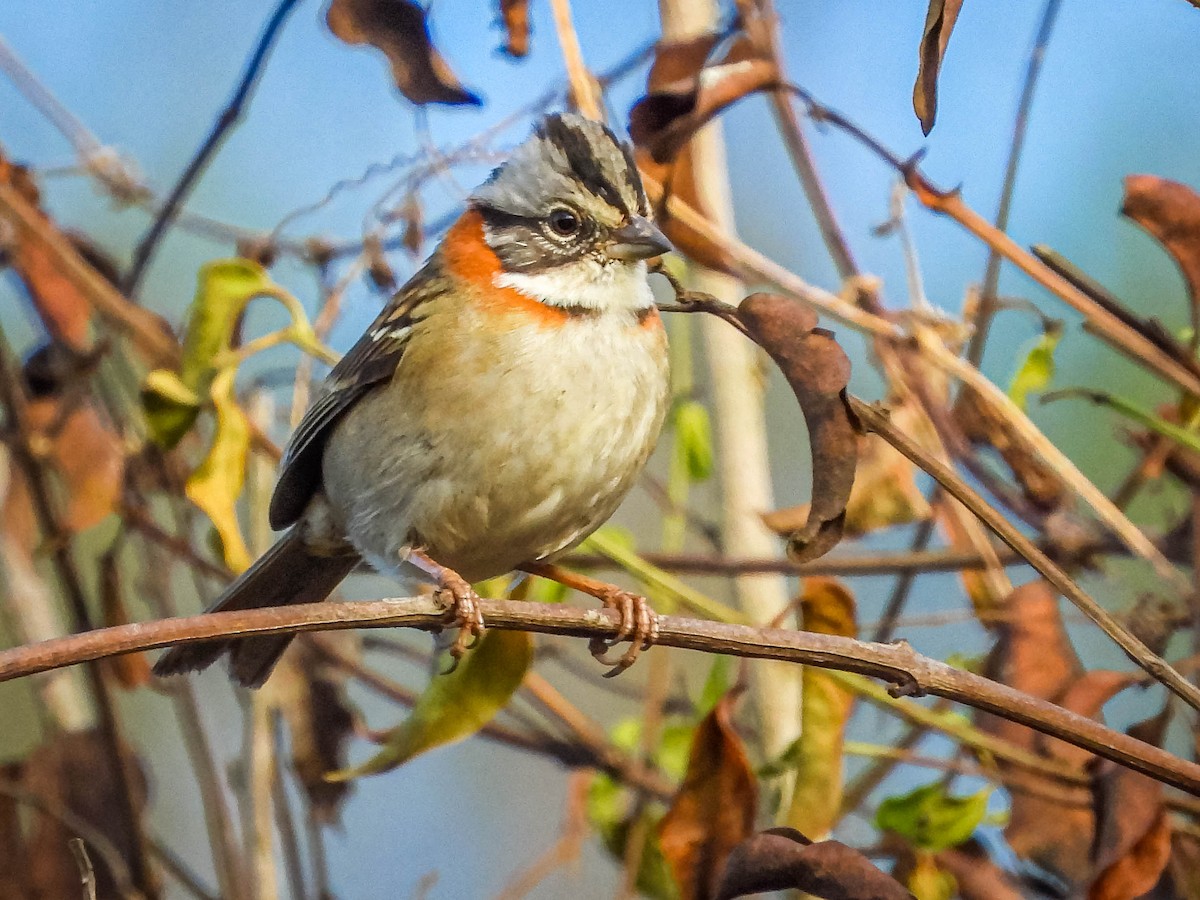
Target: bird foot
[(638, 624), (462, 610)]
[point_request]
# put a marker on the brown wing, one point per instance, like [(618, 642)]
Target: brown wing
[(369, 363)]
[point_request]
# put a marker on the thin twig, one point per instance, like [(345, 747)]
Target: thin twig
[(991, 275), (225, 121), (877, 421), (583, 87), (909, 672)]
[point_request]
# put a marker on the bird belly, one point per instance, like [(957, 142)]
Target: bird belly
[(494, 447)]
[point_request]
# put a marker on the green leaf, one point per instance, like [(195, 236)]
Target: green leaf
[(693, 439), (217, 482), (457, 705), (223, 289), (931, 819), (1177, 433), (716, 685), (1037, 369), (170, 406)]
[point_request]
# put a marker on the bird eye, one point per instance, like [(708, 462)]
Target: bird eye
[(564, 223)]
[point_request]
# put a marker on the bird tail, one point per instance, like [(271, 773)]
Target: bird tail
[(286, 574)]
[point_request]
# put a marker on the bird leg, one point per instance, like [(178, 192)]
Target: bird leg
[(638, 621), (461, 602)]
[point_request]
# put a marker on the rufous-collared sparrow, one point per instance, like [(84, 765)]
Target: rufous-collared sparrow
[(496, 411)]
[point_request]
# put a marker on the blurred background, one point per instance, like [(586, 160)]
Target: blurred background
[(1117, 96)]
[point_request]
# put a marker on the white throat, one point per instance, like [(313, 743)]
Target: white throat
[(586, 283)]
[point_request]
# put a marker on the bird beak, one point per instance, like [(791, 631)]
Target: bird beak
[(640, 239)]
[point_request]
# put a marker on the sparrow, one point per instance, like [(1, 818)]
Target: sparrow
[(493, 415)]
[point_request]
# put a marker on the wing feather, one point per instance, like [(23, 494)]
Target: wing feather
[(370, 362)]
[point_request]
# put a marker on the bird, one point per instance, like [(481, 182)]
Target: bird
[(492, 416)]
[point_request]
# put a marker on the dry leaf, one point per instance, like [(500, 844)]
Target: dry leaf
[(984, 427), (514, 14), (714, 809), (1170, 212), (1133, 836), (782, 858), (977, 876), (400, 30), (69, 772), (939, 22), (687, 90), (827, 607), (65, 311), (674, 62), (132, 670), (817, 370), (320, 720)]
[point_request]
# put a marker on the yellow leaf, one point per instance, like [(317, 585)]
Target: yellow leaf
[(457, 705), (217, 483), (828, 608)]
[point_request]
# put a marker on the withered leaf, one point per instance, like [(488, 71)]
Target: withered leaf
[(939, 22), (1132, 845), (400, 30), (673, 62), (514, 14), (70, 774), (984, 427), (977, 876), (817, 370), (63, 309), (1170, 212), (132, 670), (780, 859), (673, 110), (714, 808), (1033, 655), (320, 720), (827, 607)]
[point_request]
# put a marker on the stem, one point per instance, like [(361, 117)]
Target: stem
[(909, 672)]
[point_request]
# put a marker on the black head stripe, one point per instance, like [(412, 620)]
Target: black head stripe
[(583, 159), (634, 178)]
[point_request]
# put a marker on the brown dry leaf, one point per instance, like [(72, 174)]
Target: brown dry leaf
[(780, 859), (65, 311), (1139, 870), (400, 30), (514, 14), (939, 22), (87, 454), (714, 808), (320, 720), (70, 772), (131, 670), (1033, 654), (817, 370), (984, 427), (673, 62), (687, 90), (827, 607), (1085, 696), (1184, 866), (978, 877), (1170, 212), (1133, 836)]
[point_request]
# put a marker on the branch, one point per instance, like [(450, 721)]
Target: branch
[(226, 120), (911, 673)]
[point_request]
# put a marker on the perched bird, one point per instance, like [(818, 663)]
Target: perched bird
[(496, 411)]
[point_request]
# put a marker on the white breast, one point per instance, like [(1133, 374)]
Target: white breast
[(494, 447)]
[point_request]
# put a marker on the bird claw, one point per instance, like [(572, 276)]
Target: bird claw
[(462, 610), (638, 623)]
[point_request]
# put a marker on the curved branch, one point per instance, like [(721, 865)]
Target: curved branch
[(911, 673)]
